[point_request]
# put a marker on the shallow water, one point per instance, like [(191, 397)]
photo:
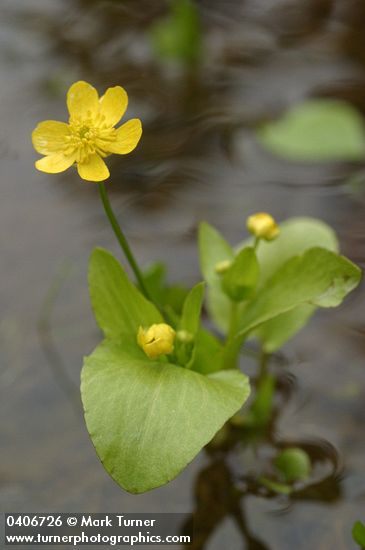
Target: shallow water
[(197, 160)]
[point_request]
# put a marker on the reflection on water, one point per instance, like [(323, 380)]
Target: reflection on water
[(197, 160)]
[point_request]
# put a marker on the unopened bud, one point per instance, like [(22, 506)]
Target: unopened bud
[(263, 226), (222, 267), (184, 336), (157, 340)]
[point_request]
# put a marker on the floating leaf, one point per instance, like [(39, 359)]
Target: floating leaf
[(316, 130), (149, 419)]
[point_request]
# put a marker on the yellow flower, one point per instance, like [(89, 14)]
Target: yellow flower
[(89, 135), (263, 226), (156, 340)]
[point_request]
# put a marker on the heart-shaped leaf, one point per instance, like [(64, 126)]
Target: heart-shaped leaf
[(149, 419)]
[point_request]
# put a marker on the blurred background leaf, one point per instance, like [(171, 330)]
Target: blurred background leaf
[(358, 533), (178, 36), (316, 130)]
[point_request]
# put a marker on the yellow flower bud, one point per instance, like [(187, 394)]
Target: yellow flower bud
[(222, 267), (263, 226), (157, 340)]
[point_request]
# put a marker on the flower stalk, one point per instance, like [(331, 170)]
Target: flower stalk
[(122, 239)]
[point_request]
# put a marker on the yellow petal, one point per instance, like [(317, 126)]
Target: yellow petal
[(128, 136), (50, 136), (113, 105), (53, 164), (82, 100), (94, 169)]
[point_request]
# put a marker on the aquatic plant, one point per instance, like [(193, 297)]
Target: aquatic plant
[(161, 385)]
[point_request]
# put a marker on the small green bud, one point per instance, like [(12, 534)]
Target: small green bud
[(294, 464), (184, 336), (222, 267)]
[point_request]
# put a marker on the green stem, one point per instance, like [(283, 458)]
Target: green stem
[(256, 243), (233, 343), (121, 238), (232, 321), (264, 363)]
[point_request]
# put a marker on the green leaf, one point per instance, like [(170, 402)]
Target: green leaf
[(189, 325), (240, 280), (149, 419), (207, 354), (190, 318), (178, 36), (213, 249), (358, 533), (294, 464), (165, 295), (154, 278), (318, 277), (175, 297), (117, 304), (296, 236), (316, 130), (274, 333)]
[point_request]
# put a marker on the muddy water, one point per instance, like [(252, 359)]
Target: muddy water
[(197, 160)]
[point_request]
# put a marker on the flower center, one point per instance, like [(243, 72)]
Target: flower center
[(87, 137), (84, 132)]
